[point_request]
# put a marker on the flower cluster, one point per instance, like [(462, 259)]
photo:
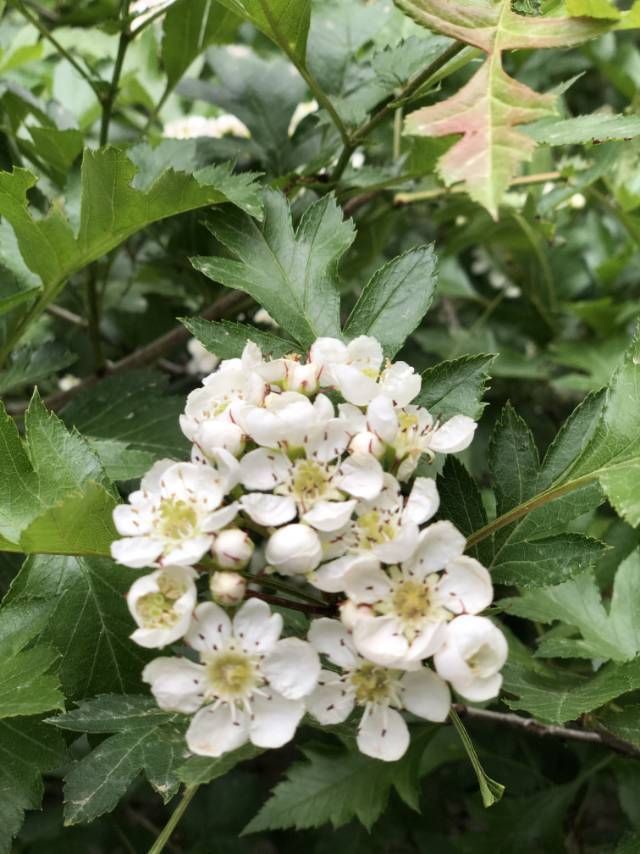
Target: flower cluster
[(307, 469)]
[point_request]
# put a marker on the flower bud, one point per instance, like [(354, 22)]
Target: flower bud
[(227, 588), (350, 613), (366, 443), (294, 550), (232, 549), (302, 378)]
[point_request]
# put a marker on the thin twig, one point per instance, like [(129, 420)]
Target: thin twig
[(174, 818), (61, 313), (543, 730), (109, 101), (289, 603)]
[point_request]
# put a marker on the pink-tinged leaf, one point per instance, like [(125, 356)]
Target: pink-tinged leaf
[(486, 111)]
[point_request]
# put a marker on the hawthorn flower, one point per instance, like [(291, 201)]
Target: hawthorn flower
[(408, 432), (309, 480), (411, 604), (384, 530), (248, 686), (208, 420), (471, 656), (381, 693), (227, 588), (161, 604), (172, 518), (202, 361), (356, 370), (294, 550), (192, 127), (232, 549)]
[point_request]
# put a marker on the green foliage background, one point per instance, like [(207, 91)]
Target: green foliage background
[(507, 272)]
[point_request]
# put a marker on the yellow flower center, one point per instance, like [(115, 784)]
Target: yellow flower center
[(178, 519), (407, 421), (232, 675), (156, 611), (372, 684), (374, 529), (411, 600), (309, 482)]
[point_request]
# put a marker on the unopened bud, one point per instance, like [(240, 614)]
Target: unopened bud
[(232, 549), (294, 550), (350, 613), (367, 442), (302, 378), (227, 588)]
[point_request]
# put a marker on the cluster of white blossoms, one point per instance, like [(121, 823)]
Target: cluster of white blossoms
[(306, 469)]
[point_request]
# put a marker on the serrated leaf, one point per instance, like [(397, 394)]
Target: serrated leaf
[(460, 500), (455, 387), (335, 788), (29, 365), (200, 769), (188, 28), (545, 561), (513, 460), (89, 621), (27, 686), (227, 339), (29, 749), (395, 299), (621, 486), (146, 740), (286, 22), (623, 722), (292, 274), (593, 9), (490, 790), (489, 108), (596, 128), (611, 634), (59, 149)]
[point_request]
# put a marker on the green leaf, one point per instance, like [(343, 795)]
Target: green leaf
[(189, 27), (513, 460), (292, 274), (490, 790), (59, 149), (44, 486), (593, 9), (29, 749), (146, 740), (27, 686), (19, 284), (286, 22), (456, 387), (611, 634), (544, 561), (596, 128), (395, 299), (29, 365), (336, 788), (621, 485), (200, 769), (460, 499), (624, 722), (489, 108), (89, 621), (227, 339)]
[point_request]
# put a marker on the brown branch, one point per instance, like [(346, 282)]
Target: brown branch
[(531, 725), (305, 607), (228, 303)]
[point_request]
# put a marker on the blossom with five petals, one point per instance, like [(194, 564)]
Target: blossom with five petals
[(471, 656), (161, 604)]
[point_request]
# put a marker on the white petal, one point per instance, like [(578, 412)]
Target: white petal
[(401, 383), (256, 626), (399, 549), (292, 668), (274, 720), (267, 509), (380, 639), (263, 469), (330, 703), (157, 638), (331, 638), (176, 683), (438, 544), (219, 518), (361, 475), (355, 418), (466, 586), (353, 385), (365, 351), (326, 351), (151, 481), (426, 695), (479, 689), (225, 466), (367, 584), (383, 734), (132, 521), (188, 551), (455, 435), (215, 434), (137, 552), (382, 418), (188, 481), (423, 501), (213, 732), (329, 515), (294, 550), (210, 628), (429, 640), (330, 576), (330, 441)]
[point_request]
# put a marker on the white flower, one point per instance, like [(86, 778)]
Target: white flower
[(355, 369), (409, 432), (232, 549), (306, 108), (473, 653), (413, 603), (294, 550), (172, 518), (201, 361), (309, 480), (384, 530), (208, 420), (380, 692), (68, 381), (227, 588), (161, 604), (248, 685), (192, 127)]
